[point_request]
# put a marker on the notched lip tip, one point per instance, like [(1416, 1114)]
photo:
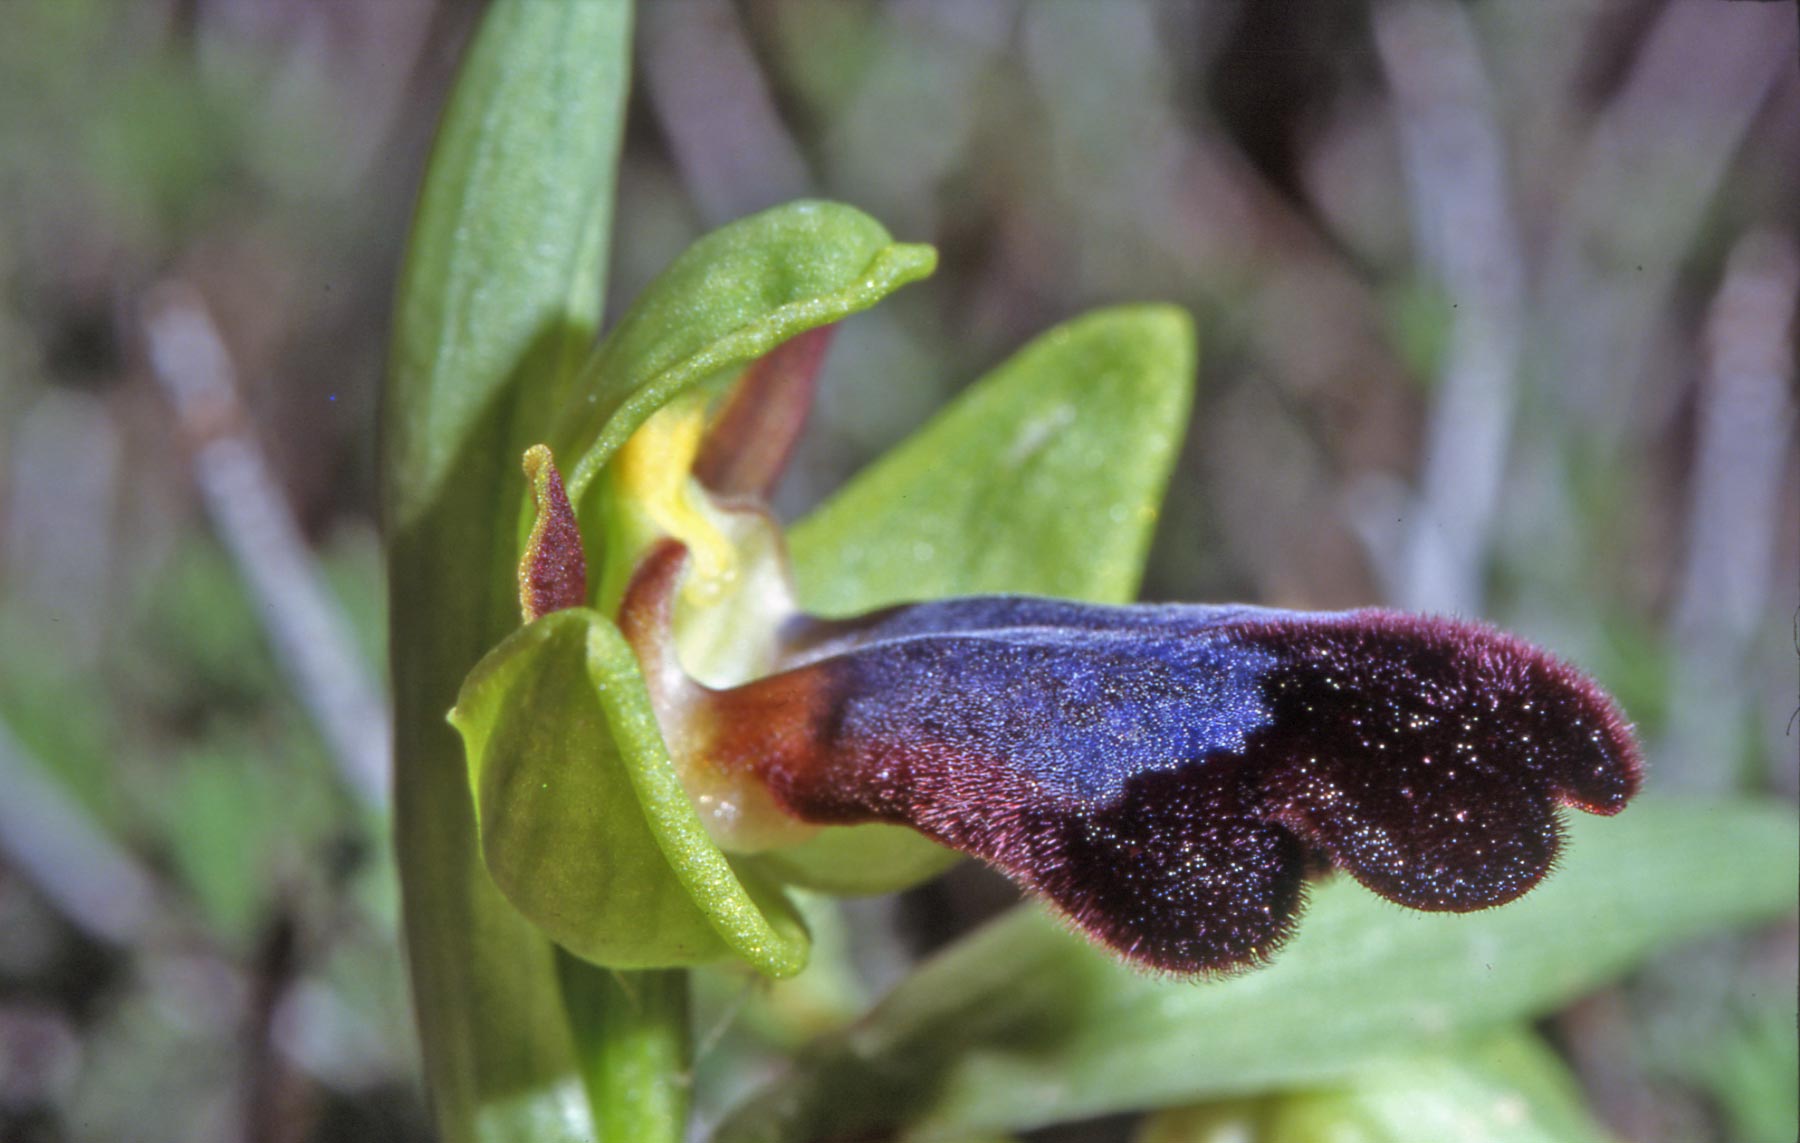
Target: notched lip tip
[(1619, 748), (1621, 754)]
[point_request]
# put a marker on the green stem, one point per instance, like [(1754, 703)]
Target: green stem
[(501, 293), (634, 1046)]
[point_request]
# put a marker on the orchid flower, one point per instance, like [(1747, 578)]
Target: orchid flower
[(1166, 777)]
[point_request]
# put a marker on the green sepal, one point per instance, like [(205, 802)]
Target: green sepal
[(583, 822), (1061, 457), (728, 299)]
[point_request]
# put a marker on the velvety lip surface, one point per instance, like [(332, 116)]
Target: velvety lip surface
[(1168, 776)]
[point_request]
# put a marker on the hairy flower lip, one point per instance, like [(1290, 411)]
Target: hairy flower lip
[(1165, 776)]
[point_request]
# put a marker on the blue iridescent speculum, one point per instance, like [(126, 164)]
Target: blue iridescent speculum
[(1168, 777)]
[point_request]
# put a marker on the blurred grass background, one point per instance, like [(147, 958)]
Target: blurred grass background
[(1497, 309)]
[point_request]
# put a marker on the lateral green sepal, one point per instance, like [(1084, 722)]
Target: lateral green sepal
[(583, 822), (728, 299)]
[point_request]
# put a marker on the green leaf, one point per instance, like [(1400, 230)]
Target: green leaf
[(1749, 1069), (501, 293), (1044, 478), (1508, 1089), (500, 296), (584, 823), (1022, 1024), (728, 299)]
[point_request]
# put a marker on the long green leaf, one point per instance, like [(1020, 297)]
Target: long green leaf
[(1044, 478), (1022, 1024), (1509, 1088), (501, 293), (499, 298), (584, 823)]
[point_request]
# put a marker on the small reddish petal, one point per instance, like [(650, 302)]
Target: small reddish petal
[(749, 442), (553, 570)]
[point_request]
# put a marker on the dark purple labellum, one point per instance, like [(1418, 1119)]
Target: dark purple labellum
[(1168, 776)]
